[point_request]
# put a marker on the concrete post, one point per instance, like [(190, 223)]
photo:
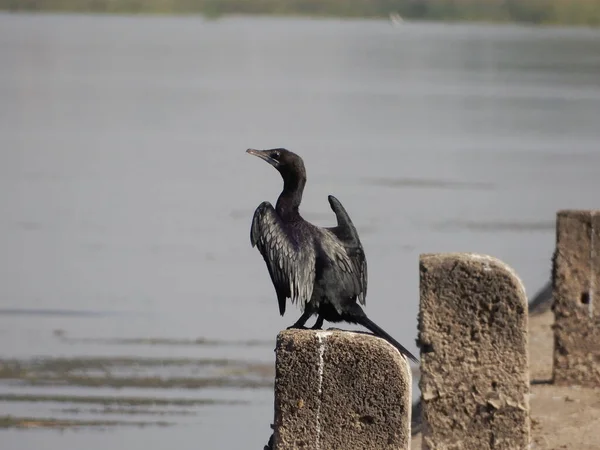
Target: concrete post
[(576, 284), (474, 356), (340, 390)]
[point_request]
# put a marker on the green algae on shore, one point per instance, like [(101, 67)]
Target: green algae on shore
[(66, 365), (36, 422), (163, 341), (125, 411), (560, 12), (148, 382), (119, 372), (116, 401)]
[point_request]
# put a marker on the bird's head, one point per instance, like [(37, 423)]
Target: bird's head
[(289, 165)]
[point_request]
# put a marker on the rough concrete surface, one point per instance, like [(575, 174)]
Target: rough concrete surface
[(576, 296), (474, 354), (562, 417), (340, 390)]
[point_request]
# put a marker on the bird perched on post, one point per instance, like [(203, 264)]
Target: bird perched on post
[(324, 270)]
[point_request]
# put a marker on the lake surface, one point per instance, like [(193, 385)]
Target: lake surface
[(126, 195)]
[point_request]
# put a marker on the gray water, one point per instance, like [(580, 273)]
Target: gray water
[(126, 196)]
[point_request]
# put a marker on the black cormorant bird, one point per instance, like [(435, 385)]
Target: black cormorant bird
[(322, 269)]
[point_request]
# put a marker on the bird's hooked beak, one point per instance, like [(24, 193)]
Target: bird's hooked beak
[(264, 154)]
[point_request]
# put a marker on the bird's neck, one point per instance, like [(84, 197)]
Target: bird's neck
[(290, 198)]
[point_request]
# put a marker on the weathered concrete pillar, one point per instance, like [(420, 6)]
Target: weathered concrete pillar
[(474, 356), (340, 390), (577, 299)]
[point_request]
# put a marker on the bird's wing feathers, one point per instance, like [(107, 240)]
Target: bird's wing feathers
[(291, 266), (348, 236)]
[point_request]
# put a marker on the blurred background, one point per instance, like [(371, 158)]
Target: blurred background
[(133, 311)]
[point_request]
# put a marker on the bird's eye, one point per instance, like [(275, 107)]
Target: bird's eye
[(275, 155)]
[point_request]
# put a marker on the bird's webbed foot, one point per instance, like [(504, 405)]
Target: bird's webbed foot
[(299, 325), (318, 324)]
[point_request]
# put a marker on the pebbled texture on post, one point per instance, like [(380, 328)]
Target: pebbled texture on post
[(474, 355), (340, 390), (576, 295)]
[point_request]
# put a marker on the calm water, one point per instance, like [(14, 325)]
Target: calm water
[(126, 195)]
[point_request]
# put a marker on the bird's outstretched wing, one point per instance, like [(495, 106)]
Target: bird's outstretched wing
[(291, 266), (348, 236)]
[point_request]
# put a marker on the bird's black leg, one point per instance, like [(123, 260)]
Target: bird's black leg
[(318, 324), (302, 320)]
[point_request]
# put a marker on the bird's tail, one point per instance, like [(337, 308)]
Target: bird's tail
[(378, 331)]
